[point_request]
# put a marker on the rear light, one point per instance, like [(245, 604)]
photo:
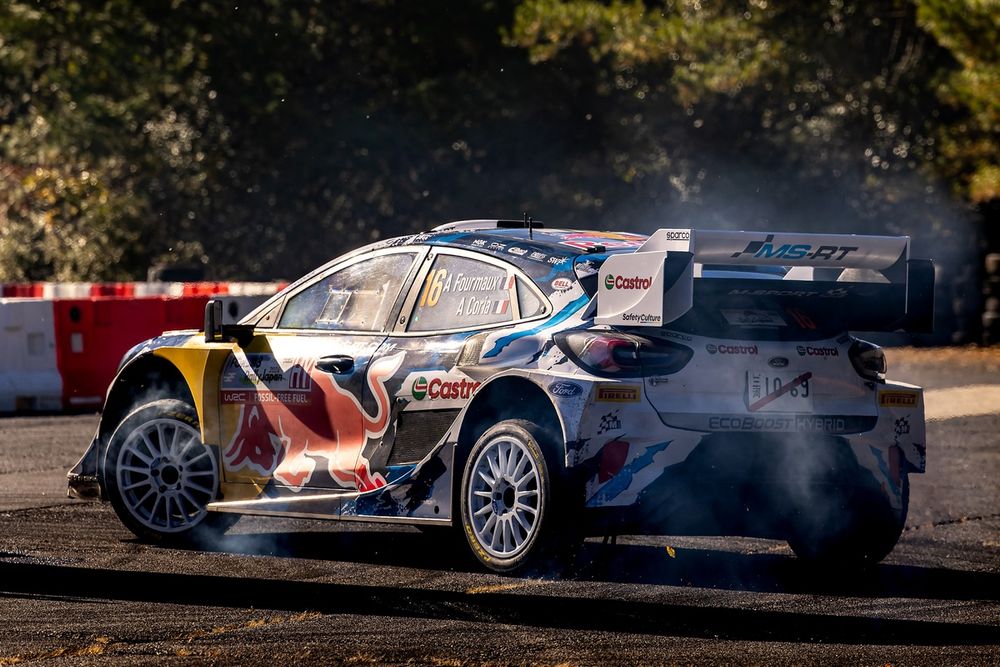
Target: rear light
[(868, 360), (611, 354)]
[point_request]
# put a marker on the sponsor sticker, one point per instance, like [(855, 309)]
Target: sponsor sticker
[(441, 386), (627, 282), (642, 318), (809, 351), (565, 389), (785, 423), (753, 318), (777, 362), (561, 284), (610, 422), (898, 398), (419, 388), (618, 393), (712, 348), (261, 378), (766, 249)]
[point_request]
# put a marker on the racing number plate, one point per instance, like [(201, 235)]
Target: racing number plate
[(779, 391)]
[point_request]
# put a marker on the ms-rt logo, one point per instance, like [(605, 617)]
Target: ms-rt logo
[(766, 249)]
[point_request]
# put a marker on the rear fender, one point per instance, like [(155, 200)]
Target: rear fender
[(541, 397)]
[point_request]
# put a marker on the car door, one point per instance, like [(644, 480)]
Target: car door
[(300, 402), (454, 303)]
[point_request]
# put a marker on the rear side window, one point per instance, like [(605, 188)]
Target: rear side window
[(529, 303), (358, 297), (460, 292)]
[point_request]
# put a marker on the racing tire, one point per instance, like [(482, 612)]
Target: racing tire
[(515, 501), (160, 476), (866, 535)]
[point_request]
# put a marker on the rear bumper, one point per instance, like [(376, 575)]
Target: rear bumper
[(751, 475), (754, 486)]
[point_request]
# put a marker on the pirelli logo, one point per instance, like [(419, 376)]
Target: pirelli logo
[(898, 399), (618, 393)]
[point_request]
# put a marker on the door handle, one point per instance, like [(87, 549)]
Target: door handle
[(337, 365)]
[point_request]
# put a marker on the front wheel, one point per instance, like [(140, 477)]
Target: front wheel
[(510, 514), (160, 476)]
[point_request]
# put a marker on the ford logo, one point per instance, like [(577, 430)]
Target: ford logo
[(565, 389), (777, 362)]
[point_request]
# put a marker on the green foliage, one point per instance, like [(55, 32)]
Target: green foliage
[(265, 138), (970, 31)]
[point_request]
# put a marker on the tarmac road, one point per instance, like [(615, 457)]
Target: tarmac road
[(76, 587)]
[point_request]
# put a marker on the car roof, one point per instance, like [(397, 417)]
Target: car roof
[(524, 247)]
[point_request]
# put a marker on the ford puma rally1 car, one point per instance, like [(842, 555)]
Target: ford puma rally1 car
[(529, 387)]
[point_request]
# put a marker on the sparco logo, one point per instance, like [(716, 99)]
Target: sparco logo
[(807, 351), (766, 249), (731, 349), (621, 282)]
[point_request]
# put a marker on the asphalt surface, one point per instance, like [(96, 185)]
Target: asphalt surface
[(76, 588)]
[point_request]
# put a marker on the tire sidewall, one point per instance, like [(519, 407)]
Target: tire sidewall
[(168, 408), (872, 536), (528, 435)]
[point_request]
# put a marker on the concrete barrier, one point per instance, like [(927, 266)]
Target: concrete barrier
[(29, 377)]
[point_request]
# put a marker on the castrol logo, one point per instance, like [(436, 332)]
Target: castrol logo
[(627, 282)]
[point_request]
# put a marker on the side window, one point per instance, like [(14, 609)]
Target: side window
[(528, 302), (355, 298), (460, 292)]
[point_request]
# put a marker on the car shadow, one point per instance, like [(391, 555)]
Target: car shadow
[(573, 612), (632, 564)]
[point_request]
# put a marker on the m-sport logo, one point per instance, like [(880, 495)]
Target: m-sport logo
[(623, 282), (766, 249)]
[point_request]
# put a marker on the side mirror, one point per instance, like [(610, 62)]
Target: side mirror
[(213, 321), (218, 332)]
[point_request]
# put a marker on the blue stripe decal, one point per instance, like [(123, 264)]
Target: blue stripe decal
[(620, 482), (559, 317)]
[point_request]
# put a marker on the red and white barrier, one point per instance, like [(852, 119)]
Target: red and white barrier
[(60, 350)]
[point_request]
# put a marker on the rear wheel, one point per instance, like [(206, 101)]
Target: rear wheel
[(860, 533), (160, 476), (513, 499)]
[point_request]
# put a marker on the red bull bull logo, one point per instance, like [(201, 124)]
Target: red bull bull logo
[(287, 441)]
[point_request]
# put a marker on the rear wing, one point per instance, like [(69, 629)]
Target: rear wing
[(861, 283)]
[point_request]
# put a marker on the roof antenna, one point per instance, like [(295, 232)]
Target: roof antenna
[(528, 221)]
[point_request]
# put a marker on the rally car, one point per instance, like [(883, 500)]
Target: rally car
[(529, 387)]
